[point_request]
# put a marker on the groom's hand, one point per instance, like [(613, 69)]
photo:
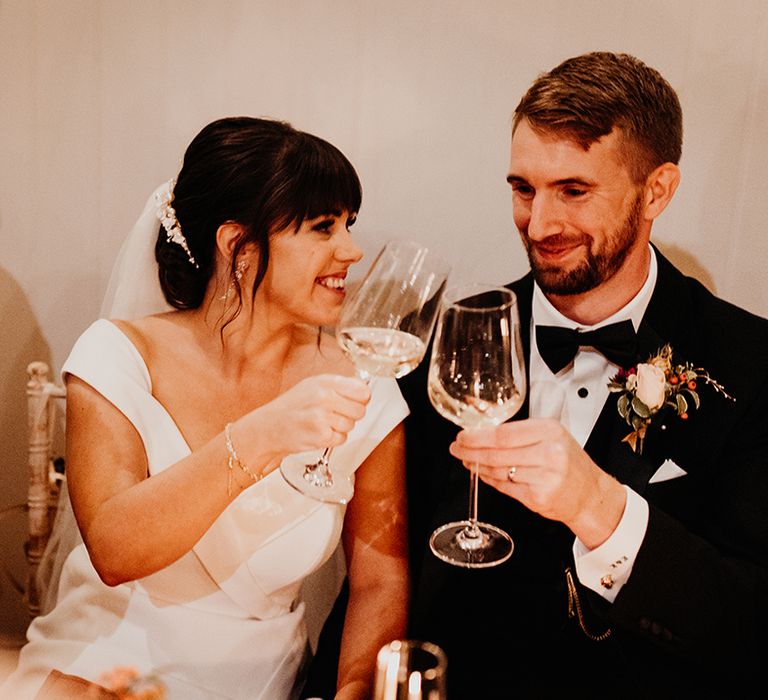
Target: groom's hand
[(538, 462)]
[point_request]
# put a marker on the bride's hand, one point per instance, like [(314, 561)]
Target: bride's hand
[(317, 412)]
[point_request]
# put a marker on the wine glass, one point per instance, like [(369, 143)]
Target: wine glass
[(410, 670), (476, 378), (384, 328)]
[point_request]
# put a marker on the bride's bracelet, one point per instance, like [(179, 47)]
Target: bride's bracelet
[(234, 461)]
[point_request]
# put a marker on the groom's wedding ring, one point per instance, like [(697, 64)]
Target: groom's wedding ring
[(511, 473)]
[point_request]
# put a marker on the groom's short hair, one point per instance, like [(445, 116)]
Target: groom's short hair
[(588, 96)]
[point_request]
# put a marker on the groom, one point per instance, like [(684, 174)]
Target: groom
[(640, 566)]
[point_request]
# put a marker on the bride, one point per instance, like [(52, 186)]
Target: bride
[(194, 547)]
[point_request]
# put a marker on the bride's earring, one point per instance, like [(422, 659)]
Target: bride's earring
[(240, 269)]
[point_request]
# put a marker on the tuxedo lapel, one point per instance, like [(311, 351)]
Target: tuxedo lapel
[(608, 450), (666, 319), (664, 322)]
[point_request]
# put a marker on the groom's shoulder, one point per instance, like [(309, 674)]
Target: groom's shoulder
[(720, 316), (691, 296), (717, 330)]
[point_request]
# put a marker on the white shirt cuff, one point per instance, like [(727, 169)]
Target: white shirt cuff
[(605, 569)]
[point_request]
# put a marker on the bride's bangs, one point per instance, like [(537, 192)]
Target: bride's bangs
[(325, 182)]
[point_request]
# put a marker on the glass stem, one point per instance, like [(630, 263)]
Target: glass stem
[(472, 530), (323, 464), (319, 473)]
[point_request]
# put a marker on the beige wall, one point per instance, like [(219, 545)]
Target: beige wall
[(98, 100)]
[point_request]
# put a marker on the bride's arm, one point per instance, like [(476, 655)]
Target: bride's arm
[(375, 543), (134, 525)]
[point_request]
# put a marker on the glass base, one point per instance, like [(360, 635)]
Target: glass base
[(457, 544), (313, 483)]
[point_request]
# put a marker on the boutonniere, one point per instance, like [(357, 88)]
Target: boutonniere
[(656, 387)]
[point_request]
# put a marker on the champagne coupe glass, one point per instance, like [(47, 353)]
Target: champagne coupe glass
[(410, 670), (384, 328), (476, 378)]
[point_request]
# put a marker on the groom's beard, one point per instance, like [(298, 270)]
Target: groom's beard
[(596, 267)]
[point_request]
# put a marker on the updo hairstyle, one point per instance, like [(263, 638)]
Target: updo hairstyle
[(262, 174)]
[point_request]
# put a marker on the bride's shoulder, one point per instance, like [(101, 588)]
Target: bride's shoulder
[(149, 332)]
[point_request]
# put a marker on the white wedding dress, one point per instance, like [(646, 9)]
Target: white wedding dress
[(226, 620)]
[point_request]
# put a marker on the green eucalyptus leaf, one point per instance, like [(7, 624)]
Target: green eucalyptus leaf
[(682, 404), (694, 397), (640, 408), (623, 405)]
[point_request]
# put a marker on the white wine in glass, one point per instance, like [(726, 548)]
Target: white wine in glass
[(384, 328), (476, 379), (381, 352)]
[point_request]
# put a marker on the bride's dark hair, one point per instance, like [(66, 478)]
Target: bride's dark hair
[(262, 174)]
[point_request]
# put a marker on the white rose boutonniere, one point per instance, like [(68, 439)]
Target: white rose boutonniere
[(646, 390), (650, 386)]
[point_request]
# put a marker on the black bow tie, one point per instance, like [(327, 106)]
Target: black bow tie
[(558, 346)]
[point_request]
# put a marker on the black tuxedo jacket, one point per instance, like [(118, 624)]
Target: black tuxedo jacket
[(692, 617)]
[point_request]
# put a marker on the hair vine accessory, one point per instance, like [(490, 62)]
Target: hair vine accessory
[(167, 215), (659, 384), (234, 461)]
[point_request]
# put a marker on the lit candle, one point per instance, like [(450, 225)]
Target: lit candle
[(390, 678), (414, 686)]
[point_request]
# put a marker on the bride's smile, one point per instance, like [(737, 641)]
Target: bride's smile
[(308, 268)]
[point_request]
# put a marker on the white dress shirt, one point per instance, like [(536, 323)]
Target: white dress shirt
[(575, 396)]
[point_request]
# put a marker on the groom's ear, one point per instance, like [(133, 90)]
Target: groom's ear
[(660, 187), (227, 236)]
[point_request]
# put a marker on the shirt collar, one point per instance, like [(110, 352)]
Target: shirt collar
[(543, 313)]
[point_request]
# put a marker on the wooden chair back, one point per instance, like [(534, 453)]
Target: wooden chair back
[(44, 477)]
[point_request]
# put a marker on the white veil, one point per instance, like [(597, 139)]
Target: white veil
[(134, 291)]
